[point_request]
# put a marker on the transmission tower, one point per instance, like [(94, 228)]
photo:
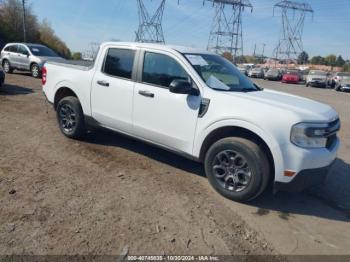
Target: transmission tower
[(150, 26), (226, 32), (290, 44)]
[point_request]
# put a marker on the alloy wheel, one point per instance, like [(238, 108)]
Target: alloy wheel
[(231, 171), (67, 118)]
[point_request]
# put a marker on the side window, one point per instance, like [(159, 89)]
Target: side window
[(119, 62), (12, 48), (161, 70), (7, 49), (22, 50)]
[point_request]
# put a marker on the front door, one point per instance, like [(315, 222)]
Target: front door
[(160, 116), (113, 89)]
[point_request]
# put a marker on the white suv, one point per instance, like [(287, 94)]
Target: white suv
[(198, 104)]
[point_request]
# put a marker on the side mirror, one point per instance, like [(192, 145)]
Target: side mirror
[(179, 86)]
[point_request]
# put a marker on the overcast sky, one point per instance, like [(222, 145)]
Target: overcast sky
[(80, 22)]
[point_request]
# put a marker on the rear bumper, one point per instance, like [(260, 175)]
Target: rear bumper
[(305, 179)]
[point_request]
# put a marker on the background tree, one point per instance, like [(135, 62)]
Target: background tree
[(330, 60), (303, 58), (11, 28), (317, 60), (340, 61), (228, 56), (77, 56)]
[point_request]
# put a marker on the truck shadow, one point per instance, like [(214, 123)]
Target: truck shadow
[(12, 90), (109, 138), (286, 204), (327, 202)]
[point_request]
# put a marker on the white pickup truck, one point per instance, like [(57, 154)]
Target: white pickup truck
[(198, 104)]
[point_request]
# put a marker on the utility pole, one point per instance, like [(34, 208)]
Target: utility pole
[(263, 52), (290, 44), (24, 21), (150, 27), (226, 33), (254, 50)]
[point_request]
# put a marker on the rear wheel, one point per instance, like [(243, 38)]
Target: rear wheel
[(35, 70), (237, 168), (7, 67), (70, 117)]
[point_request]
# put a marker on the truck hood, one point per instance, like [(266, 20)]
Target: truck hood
[(304, 109)]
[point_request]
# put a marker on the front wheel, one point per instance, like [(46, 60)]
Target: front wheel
[(35, 70), (237, 168), (70, 117)]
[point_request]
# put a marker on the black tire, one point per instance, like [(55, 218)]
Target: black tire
[(256, 160), (35, 71), (7, 67), (74, 113)]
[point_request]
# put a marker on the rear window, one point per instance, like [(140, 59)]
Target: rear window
[(38, 50), (11, 48), (119, 62)]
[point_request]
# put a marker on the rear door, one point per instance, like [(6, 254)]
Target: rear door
[(113, 89), (160, 116), (13, 55), (23, 57)]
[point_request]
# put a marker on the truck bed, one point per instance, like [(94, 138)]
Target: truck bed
[(80, 65)]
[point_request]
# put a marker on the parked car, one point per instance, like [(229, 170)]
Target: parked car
[(199, 105), (273, 74), (338, 77), (344, 84), (256, 73), (317, 78), (2, 77), (291, 77), (243, 70), (26, 57)]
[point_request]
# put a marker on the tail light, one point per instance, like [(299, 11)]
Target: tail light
[(44, 75)]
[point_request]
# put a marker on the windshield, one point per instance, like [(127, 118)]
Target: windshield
[(343, 74), (220, 74), (319, 73), (42, 51)]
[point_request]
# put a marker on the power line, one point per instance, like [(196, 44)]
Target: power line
[(226, 33), (150, 27), (290, 44)]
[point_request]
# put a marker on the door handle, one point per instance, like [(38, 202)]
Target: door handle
[(102, 83), (146, 94)]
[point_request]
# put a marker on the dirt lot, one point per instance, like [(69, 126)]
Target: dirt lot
[(59, 196)]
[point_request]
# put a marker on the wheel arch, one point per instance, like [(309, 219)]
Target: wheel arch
[(61, 93), (254, 134)]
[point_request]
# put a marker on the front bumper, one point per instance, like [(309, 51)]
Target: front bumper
[(318, 83), (345, 88), (305, 179)]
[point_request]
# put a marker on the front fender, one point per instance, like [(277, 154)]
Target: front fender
[(271, 142)]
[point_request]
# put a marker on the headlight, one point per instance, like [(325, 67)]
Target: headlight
[(309, 135)]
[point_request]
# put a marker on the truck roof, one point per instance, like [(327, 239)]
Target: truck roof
[(181, 49)]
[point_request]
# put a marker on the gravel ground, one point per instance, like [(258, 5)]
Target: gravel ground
[(108, 192), (97, 196)]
